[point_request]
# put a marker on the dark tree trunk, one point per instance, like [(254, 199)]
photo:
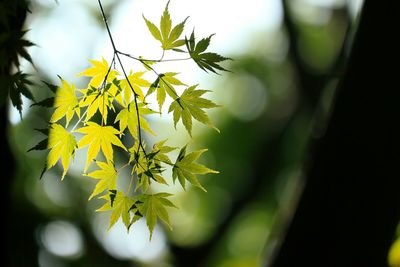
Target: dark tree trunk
[(348, 212)]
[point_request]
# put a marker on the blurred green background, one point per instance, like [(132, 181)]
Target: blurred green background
[(286, 57)]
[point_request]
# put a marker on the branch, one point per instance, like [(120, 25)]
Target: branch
[(143, 61), (153, 60), (126, 76)]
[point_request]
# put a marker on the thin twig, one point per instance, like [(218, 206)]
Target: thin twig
[(80, 119), (153, 60), (126, 76), (143, 61)]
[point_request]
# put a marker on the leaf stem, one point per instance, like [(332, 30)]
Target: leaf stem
[(162, 56)]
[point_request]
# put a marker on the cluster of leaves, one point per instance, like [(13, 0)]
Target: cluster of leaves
[(13, 47), (113, 90)]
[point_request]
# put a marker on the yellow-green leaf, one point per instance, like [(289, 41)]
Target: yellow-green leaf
[(154, 207), (96, 101), (165, 85), (165, 23), (168, 36), (147, 166), (185, 168), (153, 29), (97, 137), (137, 82), (107, 176), (65, 102), (120, 205), (98, 73), (190, 105), (127, 117), (62, 145), (160, 152)]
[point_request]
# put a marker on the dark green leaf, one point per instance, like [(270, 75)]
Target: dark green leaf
[(43, 171), (42, 145), (50, 86), (203, 44), (43, 131), (206, 61), (47, 103)]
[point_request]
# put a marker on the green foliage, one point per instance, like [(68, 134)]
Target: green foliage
[(62, 144), (154, 207), (185, 168), (13, 47), (168, 36), (18, 86), (98, 136), (205, 60), (190, 105), (164, 84), (107, 176), (125, 96)]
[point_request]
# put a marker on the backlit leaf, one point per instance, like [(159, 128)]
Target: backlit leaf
[(107, 176), (65, 102), (127, 117), (160, 152), (168, 36), (62, 145), (98, 73), (137, 82), (191, 104), (97, 137), (153, 29), (185, 168), (96, 100), (120, 206), (165, 85), (154, 207), (146, 167)]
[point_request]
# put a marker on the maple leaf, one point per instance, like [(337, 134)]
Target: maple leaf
[(164, 84), (190, 105), (65, 102), (169, 38), (120, 205), (185, 168), (154, 207), (99, 137), (96, 100), (145, 167), (107, 176), (98, 72), (17, 86), (127, 117), (205, 60), (62, 145), (137, 82), (159, 152)]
